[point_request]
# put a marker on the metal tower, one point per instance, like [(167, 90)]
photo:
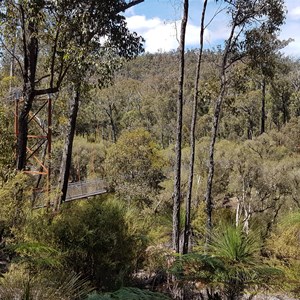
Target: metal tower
[(38, 157)]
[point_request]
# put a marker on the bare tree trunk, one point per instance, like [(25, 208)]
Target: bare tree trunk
[(177, 171), (247, 213), (68, 147), (187, 225), (30, 49), (285, 111), (237, 213), (263, 107), (211, 163), (28, 96), (215, 126), (109, 113)]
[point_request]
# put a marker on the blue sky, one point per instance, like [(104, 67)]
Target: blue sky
[(158, 21)]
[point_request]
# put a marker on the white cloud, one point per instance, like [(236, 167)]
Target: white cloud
[(295, 13), (158, 34), (291, 30), (140, 23), (130, 11), (163, 36), (292, 50)]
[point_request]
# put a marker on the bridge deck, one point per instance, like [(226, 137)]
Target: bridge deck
[(85, 189), (76, 190)]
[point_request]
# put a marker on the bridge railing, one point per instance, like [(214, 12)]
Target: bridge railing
[(84, 189), (75, 191)]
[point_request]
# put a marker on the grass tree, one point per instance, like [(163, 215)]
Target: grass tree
[(232, 264)]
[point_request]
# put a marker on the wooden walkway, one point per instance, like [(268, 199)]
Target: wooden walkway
[(85, 189), (76, 190)]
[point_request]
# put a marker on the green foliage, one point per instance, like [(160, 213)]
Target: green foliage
[(18, 283), (197, 266), (14, 213), (95, 241), (234, 246), (284, 246), (129, 294), (133, 165), (157, 259), (36, 256), (7, 140), (289, 135), (69, 35), (101, 239), (231, 264)]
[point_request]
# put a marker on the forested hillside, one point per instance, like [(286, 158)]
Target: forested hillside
[(114, 117)]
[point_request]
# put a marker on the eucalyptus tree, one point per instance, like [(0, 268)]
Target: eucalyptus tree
[(177, 169), (281, 92), (187, 225), (246, 16), (79, 86), (263, 48), (54, 37)]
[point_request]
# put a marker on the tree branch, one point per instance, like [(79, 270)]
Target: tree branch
[(46, 91), (41, 78), (12, 54), (130, 4), (26, 63), (53, 57)]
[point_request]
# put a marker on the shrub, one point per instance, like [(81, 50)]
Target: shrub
[(129, 293), (96, 242)]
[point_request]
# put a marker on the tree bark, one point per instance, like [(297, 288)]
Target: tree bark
[(29, 24), (263, 107), (109, 112), (30, 49), (211, 163), (215, 126), (68, 147), (187, 225), (177, 171), (28, 97)]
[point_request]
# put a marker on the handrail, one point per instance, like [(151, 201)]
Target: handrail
[(76, 190), (85, 189)]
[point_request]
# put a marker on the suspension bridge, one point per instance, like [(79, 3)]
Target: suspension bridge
[(38, 156), (76, 191), (85, 189)]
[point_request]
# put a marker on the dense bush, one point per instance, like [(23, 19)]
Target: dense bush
[(96, 242), (134, 166), (129, 293), (284, 246), (231, 265)]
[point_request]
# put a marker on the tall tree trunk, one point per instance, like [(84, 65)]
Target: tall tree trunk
[(68, 147), (215, 126), (250, 127), (285, 110), (177, 171), (30, 63), (187, 225), (211, 163), (109, 112), (263, 107), (28, 97)]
